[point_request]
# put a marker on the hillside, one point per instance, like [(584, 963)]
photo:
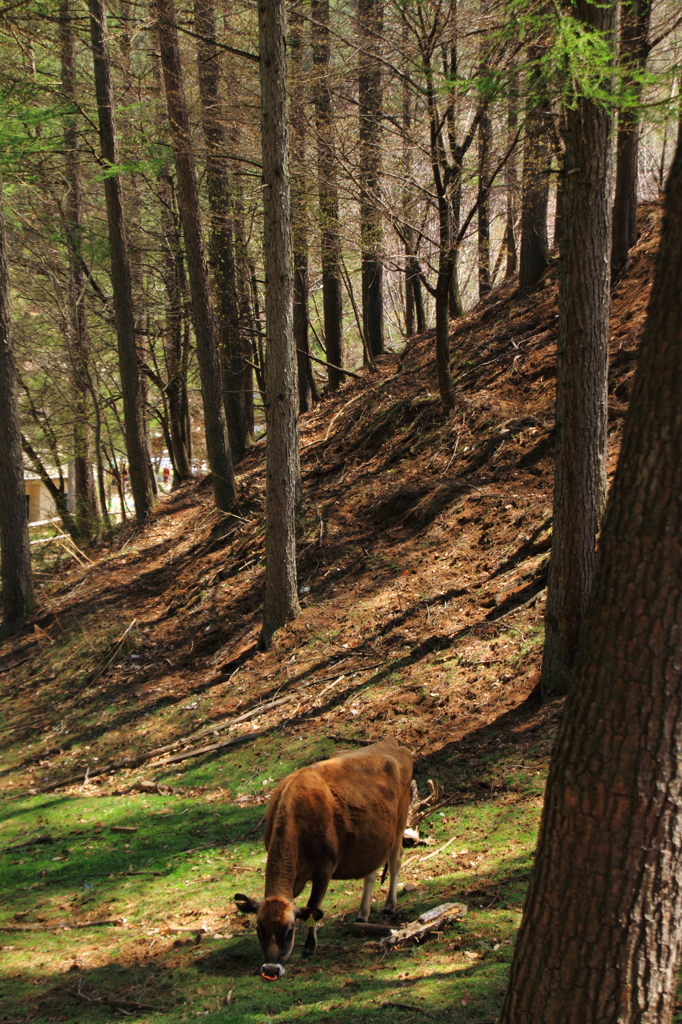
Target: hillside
[(422, 565)]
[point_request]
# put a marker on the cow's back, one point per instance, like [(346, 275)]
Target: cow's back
[(347, 811)]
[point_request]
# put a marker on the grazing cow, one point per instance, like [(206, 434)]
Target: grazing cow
[(341, 818)]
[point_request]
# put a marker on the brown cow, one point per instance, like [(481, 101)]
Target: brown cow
[(341, 818)]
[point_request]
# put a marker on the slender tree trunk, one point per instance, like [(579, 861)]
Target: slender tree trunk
[(18, 600), (307, 392), (602, 926), (414, 300), (511, 174), (370, 30), (330, 231), (248, 320), (84, 483), (485, 138), (221, 242), (283, 472), (633, 51), (174, 283), (217, 445), (133, 412), (534, 257), (582, 370), (132, 204)]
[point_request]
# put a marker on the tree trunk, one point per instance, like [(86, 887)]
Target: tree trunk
[(582, 370), (330, 231), (84, 483), (174, 283), (370, 29), (511, 176), (221, 241), (307, 392), (17, 582), (633, 51), (217, 445), (534, 256), (133, 412), (132, 207), (485, 138), (602, 925), (282, 470)]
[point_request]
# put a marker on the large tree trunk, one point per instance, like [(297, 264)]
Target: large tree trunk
[(330, 232), (79, 338), (602, 925), (17, 582), (282, 470), (582, 370), (634, 49), (133, 412), (534, 256), (221, 241), (370, 29), (307, 392), (217, 445)]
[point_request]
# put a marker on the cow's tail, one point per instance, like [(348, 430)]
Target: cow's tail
[(384, 873)]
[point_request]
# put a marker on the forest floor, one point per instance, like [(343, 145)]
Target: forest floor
[(422, 564)]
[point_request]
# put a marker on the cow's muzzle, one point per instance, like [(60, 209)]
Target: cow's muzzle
[(271, 972)]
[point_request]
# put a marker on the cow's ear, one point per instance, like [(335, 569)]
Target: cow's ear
[(305, 913), (246, 904)]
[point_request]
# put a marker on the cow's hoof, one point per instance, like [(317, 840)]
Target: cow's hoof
[(308, 950), (362, 920), (388, 915)]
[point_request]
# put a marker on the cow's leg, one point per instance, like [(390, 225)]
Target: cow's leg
[(317, 894), (366, 901), (394, 859)]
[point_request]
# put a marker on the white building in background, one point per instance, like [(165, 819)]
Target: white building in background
[(39, 501)]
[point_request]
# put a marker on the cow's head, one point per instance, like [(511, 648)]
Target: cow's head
[(276, 926)]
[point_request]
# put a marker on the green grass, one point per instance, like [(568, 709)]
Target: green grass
[(193, 852)]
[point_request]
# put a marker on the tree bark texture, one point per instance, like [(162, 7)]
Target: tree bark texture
[(485, 138), (370, 30), (633, 51), (282, 468), (511, 175), (602, 925), (217, 445), (307, 392), (582, 371), (133, 411), (79, 338), (534, 255), (221, 247), (175, 355), (17, 582), (330, 230), (132, 208)]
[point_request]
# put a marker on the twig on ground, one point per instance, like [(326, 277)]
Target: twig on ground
[(386, 1003), (118, 1004)]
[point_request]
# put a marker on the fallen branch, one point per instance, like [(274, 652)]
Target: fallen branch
[(386, 1003), (118, 1004), (58, 927), (439, 850), (358, 928), (432, 921), (29, 842)]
